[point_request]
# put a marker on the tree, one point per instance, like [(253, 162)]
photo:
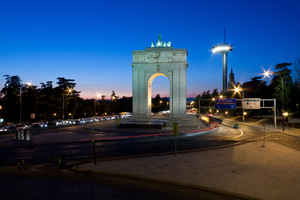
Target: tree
[(256, 88), (114, 107), (11, 94), (215, 93), (297, 69), (284, 81)]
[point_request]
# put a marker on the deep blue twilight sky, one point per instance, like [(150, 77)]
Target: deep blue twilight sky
[(91, 41)]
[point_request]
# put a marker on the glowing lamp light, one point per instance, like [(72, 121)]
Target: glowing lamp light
[(285, 114), (267, 73), (245, 113), (222, 48)]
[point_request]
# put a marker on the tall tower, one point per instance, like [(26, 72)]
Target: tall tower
[(231, 83), (223, 48)]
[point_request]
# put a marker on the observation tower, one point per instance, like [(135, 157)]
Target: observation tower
[(223, 48)]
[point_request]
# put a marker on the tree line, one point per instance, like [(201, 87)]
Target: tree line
[(281, 82), (64, 101), (53, 103)]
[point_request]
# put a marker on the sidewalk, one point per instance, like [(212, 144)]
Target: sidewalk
[(245, 170)]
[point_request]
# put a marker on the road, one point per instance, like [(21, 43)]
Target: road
[(158, 145), (44, 176), (114, 149), (251, 133)]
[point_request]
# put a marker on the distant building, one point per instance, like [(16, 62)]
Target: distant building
[(231, 83)]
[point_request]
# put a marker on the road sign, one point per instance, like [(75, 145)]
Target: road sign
[(175, 128), (251, 103), (225, 103)]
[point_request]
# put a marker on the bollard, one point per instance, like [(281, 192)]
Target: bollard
[(18, 165), (85, 158), (77, 168), (23, 163), (55, 160)]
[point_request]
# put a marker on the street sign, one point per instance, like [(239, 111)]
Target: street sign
[(225, 103), (175, 128), (251, 103)]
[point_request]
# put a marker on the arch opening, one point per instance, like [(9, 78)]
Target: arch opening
[(156, 105)]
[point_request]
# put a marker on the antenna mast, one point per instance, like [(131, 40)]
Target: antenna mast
[(224, 35)]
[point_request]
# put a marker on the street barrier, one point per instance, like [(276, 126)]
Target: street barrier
[(23, 134)]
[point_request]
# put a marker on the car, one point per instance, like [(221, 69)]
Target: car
[(36, 125), (3, 129), (21, 126)]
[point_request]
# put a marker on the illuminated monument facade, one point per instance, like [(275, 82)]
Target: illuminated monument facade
[(154, 61)]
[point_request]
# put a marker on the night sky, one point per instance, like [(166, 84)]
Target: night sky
[(92, 41)]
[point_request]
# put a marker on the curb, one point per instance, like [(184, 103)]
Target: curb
[(168, 182)]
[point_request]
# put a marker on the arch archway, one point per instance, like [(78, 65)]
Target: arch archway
[(149, 64), (150, 81)]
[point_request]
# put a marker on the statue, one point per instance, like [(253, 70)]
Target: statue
[(159, 37), (160, 43)]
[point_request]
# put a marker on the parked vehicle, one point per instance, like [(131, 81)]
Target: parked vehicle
[(3, 129)]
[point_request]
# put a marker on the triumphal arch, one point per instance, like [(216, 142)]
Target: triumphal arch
[(159, 60)]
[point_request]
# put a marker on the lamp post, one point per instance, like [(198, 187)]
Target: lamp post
[(6, 85), (237, 89), (69, 90), (267, 73), (29, 84), (112, 99), (95, 110)]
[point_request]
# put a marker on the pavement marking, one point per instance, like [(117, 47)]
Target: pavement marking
[(242, 133)]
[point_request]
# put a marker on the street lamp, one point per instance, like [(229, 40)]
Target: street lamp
[(238, 89), (112, 99), (28, 84), (99, 96), (267, 73), (69, 91)]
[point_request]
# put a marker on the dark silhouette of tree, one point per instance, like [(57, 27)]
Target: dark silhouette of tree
[(282, 78), (256, 88)]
